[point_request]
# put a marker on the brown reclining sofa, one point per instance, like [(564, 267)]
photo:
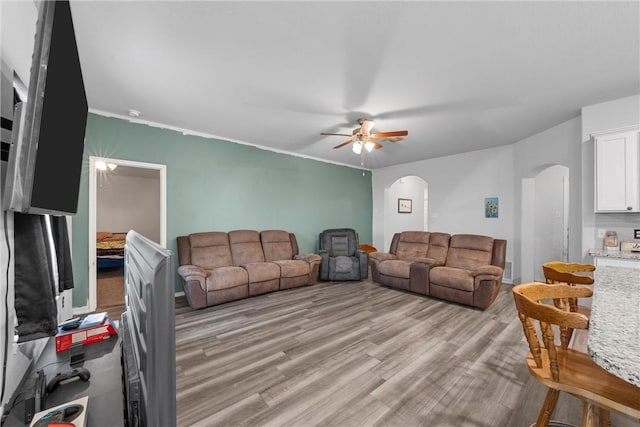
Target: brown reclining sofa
[(463, 268), (217, 267)]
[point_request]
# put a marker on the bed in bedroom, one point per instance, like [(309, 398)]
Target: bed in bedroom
[(110, 249)]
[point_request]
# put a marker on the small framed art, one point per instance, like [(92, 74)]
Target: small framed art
[(404, 205), (491, 207)]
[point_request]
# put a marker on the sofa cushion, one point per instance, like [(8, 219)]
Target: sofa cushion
[(292, 268), (226, 277), (456, 278), (438, 248), (339, 241), (245, 247), (262, 271), (413, 244), (210, 250), (344, 264), (395, 267), (339, 246), (276, 245), (469, 251)]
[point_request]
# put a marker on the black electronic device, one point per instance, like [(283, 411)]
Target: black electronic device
[(34, 401), (76, 354), (60, 377), (71, 324), (63, 415), (45, 158)]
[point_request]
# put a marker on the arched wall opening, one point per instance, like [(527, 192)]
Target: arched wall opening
[(406, 207), (545, 219)]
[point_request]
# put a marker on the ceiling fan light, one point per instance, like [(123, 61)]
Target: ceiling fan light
[(112, 166), (369, 145), (101, 166), (357, 147)]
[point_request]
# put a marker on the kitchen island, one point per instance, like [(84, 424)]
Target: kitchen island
[(614, 325), (606, 258)]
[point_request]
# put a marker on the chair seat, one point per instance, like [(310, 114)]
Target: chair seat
[(453, 278), (292, 268), (396, 268), (226, 277), (581, 376)]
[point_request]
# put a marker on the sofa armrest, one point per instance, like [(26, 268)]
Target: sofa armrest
[(363, 258), (492, 271), (310, 258), (194, 285), (431, 261), (324, 264), (191, 272), (381, 256), (314, 261)]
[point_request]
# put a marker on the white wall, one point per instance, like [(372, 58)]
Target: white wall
[(559, 145), (596, 118), (457, 188), (128, 203), (408, 187)]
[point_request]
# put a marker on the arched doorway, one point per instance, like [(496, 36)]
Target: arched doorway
[(412, 192)]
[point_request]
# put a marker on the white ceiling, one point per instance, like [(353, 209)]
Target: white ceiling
[(459, 76)]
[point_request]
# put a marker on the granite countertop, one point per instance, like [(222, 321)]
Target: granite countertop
[(614, 325), (614, 254)]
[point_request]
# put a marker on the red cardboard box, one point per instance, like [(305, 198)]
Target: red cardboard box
[(97, 333)]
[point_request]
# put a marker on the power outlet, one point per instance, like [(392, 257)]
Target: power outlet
[(601, 233)]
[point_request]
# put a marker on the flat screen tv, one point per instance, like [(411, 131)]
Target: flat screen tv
[(45, 158), (148, 334)]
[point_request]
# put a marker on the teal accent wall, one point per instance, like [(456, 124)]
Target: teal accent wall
[(217, 185)]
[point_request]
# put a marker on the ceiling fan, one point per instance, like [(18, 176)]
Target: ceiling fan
[(363, 138)]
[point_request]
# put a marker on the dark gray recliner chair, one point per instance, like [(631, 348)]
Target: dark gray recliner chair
[(341, 257)]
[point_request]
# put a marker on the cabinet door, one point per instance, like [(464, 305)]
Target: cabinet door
[(616, 170)]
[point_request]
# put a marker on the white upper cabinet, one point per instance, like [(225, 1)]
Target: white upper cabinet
[(617, 172)]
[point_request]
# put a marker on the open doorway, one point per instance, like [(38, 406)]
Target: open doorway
[(123, 195), (551, 217), (413, 215), (545, 220)]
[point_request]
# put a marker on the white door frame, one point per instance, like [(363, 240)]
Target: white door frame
[(93, 292)]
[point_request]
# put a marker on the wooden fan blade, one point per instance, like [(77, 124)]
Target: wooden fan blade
[(395, 139), (376, 144), (343, 144), (392, 133), (336, 134)]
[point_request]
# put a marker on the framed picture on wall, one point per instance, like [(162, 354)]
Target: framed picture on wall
[(491, 207), (404, 205)]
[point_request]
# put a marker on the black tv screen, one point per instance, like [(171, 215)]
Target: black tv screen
[(45, 159)]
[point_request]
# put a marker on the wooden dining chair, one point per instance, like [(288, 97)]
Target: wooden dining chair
[(563, 369), (572, 274)]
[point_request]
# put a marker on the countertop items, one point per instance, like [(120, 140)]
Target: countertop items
[(614, 326), (614, 254)]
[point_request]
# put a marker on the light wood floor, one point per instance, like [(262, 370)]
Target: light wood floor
[(356, 353), (110, 288)]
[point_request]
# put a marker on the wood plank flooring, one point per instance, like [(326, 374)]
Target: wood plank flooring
[(357, 354)]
